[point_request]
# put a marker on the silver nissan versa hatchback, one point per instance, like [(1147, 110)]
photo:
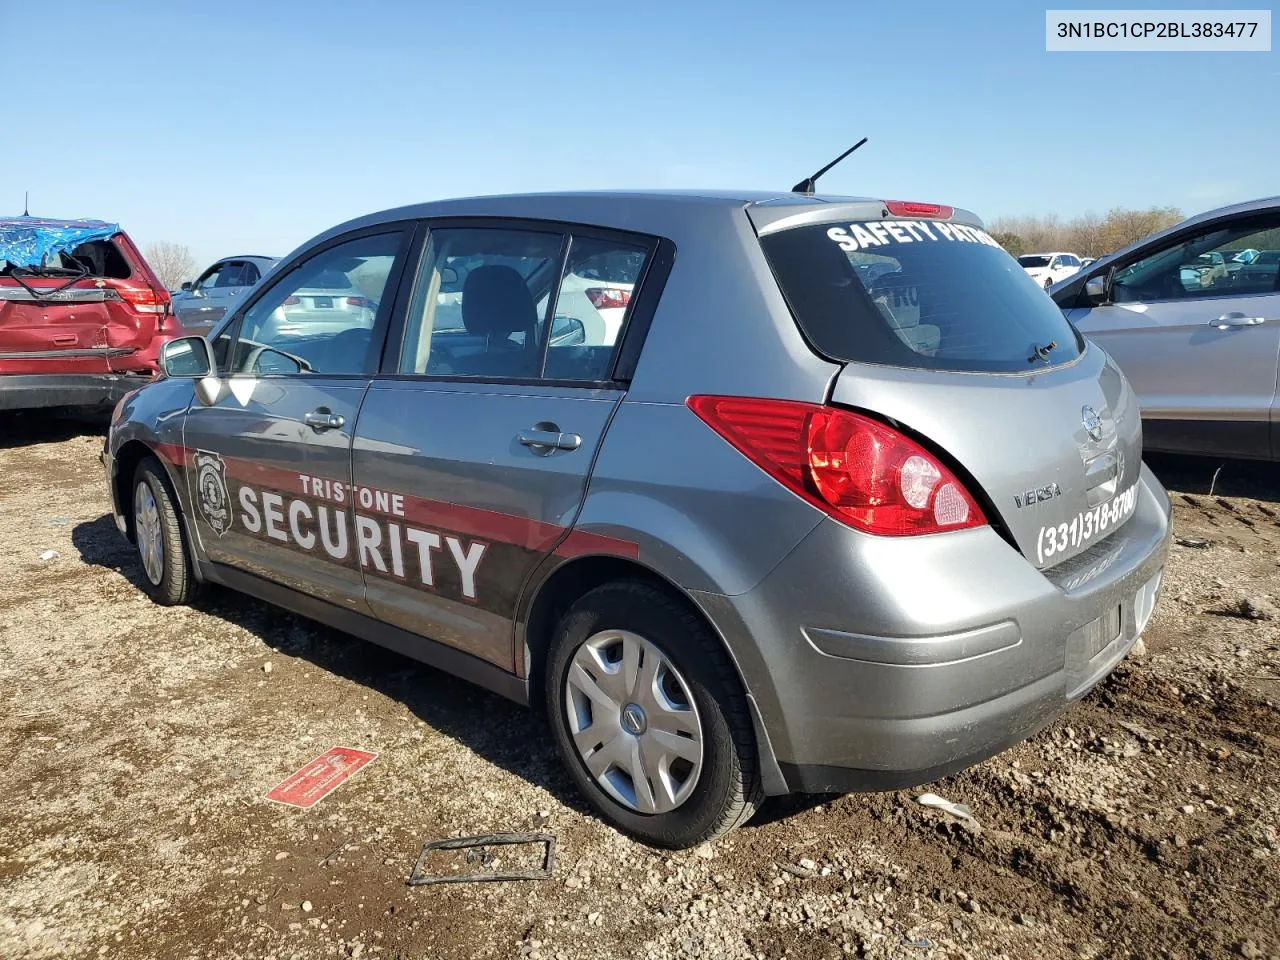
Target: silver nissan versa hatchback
[(789, 493)]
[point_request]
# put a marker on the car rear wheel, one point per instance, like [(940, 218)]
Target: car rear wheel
[(157, 532), (649, 717)]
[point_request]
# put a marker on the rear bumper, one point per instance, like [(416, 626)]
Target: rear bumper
[(883, 663), (32, 391)]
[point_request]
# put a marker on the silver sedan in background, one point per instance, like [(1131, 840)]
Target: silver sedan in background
[(202, 303), (1192, 315)]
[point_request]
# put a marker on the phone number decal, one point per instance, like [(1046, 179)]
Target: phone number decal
[(1085, 525)]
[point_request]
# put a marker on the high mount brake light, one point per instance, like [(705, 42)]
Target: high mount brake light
[(858, 470), (912, 208)]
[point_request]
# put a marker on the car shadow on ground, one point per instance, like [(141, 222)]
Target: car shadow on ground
[(1216, 476), (506, 734), (23, 428), (500, 731)]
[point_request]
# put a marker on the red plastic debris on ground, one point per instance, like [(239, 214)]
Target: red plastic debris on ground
[(320, 777)]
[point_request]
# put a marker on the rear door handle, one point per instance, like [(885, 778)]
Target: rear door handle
[(542, 439), (1236, 320), (322, 419)]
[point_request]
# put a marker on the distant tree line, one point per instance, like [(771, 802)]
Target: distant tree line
[(1087, 235)]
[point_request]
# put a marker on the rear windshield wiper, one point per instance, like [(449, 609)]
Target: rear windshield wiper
[(1042, 353), (19, 272)]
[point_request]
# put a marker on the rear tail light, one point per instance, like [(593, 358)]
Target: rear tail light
[(360, 302), (291, 301), (912, 208), (856, 469), (604, 298), (143, 299)]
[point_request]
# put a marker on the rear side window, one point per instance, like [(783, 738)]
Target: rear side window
[(482, 304), (232, 275), (594, 296), (924, 294)]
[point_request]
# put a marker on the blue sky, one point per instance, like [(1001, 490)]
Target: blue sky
[(248, 127)]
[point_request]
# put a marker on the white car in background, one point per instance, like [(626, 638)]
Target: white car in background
[(328, 304), (1048, 268)]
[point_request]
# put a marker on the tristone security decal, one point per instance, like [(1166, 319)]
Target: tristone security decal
[(324, 517), (873, 234)]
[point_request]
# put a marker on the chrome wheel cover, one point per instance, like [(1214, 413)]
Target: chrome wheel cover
[(148, 532), (633, 721)]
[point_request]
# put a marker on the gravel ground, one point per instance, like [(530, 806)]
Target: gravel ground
[(141, 742)]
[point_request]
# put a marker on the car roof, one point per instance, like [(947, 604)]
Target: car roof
[(644, 211), (246, 256), (26, 220)]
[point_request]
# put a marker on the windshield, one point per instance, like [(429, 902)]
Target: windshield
[(1033, 260), (909, 293)]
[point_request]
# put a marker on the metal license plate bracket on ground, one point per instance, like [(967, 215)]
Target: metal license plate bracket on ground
[(419, 877)]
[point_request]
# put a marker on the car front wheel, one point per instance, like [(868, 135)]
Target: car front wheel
[(157, 533), (649, 716)]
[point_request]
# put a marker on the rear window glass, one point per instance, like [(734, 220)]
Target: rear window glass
[(910, 293), (98, 258)]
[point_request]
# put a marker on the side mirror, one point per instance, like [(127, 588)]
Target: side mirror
[(568, 332), (186, 286), (1095, 288), (448, 275), (187, 358)]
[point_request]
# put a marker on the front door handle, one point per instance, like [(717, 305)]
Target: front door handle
[(1236, 320), (322, 419), (544, 437)]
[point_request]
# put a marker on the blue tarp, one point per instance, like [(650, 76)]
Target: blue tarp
[(28, 242)]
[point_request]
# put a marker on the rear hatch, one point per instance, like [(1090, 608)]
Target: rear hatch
[(943, 335), (94, 309)]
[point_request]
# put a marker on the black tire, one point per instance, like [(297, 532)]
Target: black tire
[(177, 583), (727, 791)]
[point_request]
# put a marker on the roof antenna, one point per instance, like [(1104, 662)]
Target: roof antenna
[(26, 203), (807, 185)]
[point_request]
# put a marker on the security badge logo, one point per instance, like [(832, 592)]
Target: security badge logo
[(212, 494)]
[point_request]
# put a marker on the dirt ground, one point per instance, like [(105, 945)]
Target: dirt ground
[(140, 741)]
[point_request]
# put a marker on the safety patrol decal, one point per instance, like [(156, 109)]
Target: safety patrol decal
[(211, 491), (873, 234)]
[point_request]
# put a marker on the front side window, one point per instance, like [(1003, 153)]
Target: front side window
[(210, 278), (926, 294), (319, 317), (1206, 265)]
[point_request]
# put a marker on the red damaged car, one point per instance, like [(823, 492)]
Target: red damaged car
[(82, 315)]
